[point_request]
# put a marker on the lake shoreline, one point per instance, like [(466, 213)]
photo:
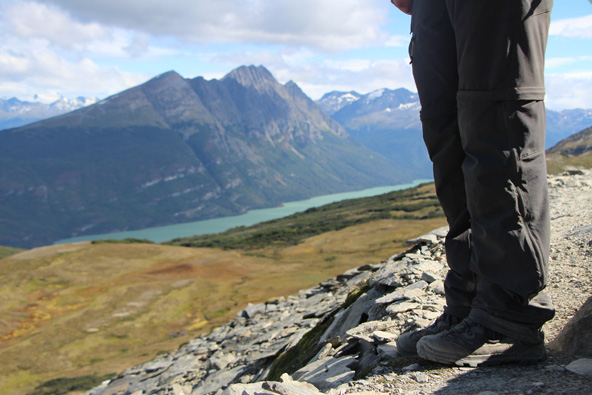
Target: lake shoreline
[(216, 225)]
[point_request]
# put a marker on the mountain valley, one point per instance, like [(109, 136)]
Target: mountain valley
[(176, 150)]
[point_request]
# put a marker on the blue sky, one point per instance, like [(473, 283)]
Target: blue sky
[(53, 48)]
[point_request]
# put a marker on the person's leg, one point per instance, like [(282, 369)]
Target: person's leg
[(434, 64), (433, 54), (500, 47), (507, 197)]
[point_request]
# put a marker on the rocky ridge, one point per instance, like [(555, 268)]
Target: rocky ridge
[(338, 337)]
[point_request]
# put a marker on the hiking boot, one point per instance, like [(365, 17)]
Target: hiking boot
[(471, 344), (407, 341)]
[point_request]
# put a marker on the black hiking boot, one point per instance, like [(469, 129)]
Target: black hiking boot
[(471, 344), (408, 340)]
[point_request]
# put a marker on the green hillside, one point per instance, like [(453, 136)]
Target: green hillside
[(8, 251), (572, 152)]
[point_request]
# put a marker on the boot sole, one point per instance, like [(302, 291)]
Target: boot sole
[(524, 356)]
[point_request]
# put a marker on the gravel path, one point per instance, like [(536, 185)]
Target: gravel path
[(570, 286)]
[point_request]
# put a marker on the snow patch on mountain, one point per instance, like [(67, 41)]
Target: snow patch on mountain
[(375, 94), (15, 113)]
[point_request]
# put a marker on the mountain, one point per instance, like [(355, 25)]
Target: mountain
[(572, 152), (334, 101), (175, 150), (386, 121), (15, 113), (562, 124), (575, 145)]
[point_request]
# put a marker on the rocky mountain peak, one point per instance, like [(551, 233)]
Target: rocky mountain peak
[(390, 97), (166, 80), (168, 76), (292, 86), (334, 101), (251, 76)]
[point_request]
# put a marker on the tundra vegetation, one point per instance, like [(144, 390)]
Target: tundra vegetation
[(77, 313)]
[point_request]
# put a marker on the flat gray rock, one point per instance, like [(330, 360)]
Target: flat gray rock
[(366, 330), (219, 380), (581, 366), (402, 307), (401, 294), (252, 310), (388, 275), (327, 373)]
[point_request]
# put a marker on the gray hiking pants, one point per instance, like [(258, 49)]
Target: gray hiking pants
[(478, 66)]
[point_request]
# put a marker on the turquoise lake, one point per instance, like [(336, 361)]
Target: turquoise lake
[(216, 225)]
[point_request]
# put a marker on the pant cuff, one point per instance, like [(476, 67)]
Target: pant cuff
[(515, 330)]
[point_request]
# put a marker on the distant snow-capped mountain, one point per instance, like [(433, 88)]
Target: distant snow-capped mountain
[(15, 113), (67, 105), (386, 109), (386, 121), (334, 101)]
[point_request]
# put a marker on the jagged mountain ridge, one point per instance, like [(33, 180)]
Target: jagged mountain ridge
[(174, 150)]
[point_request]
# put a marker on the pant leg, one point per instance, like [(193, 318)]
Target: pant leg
[(433, 53), (443, 142), (500, 52), (506, 188)]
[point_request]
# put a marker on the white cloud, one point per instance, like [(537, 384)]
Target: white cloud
[(397, 41), (580, 27), (569, 90), (44, 52), (553, 63), (37, 70), (328, 24), (71, 46), (30, 20)]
